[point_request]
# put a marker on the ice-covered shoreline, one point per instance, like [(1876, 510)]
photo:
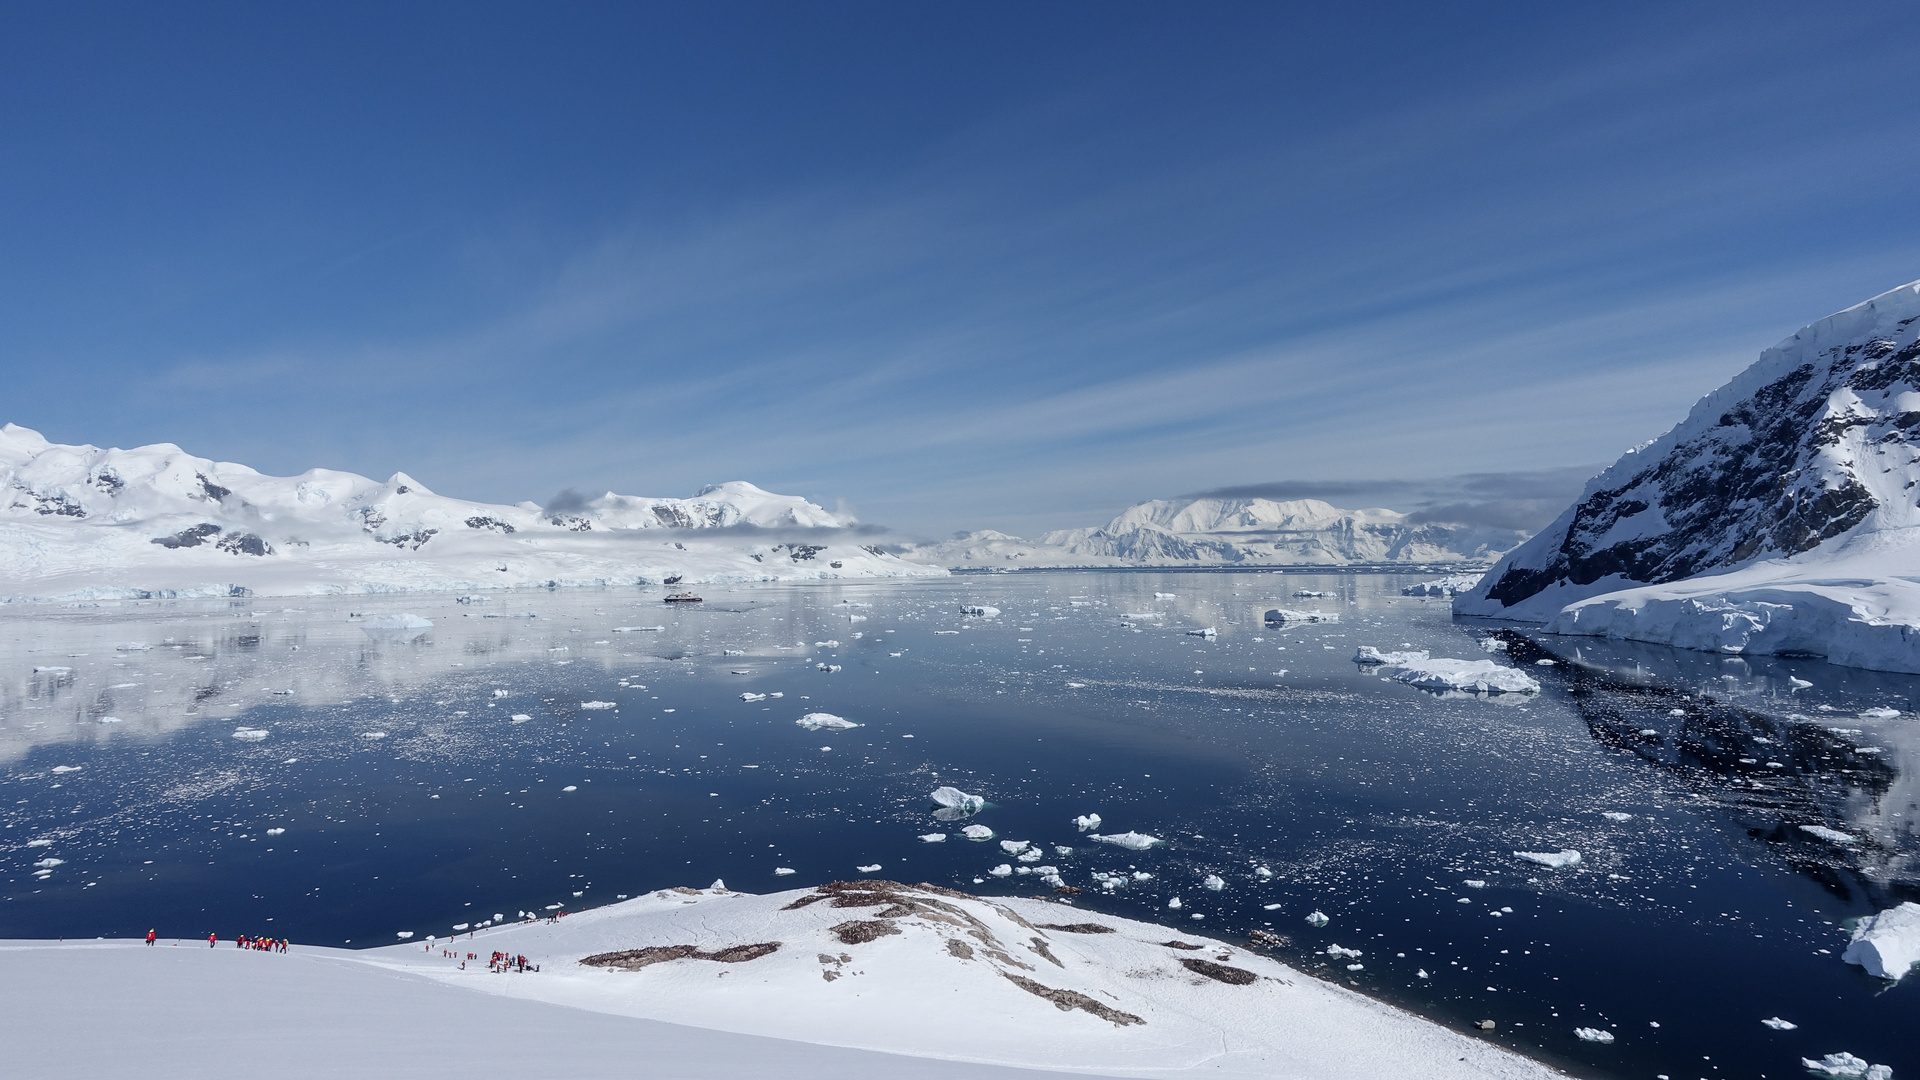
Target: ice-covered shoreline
[(876, 966)]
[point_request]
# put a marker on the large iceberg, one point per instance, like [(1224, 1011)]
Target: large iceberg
[(1472, 676), (1887, 944)]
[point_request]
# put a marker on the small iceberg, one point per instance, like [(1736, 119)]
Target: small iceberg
[(1832, 836), (1318, 918), (597, 705), (250, 734), (825, 721), (1204, 632), (1087, 822), (1887, 944), (1598, 1035), (873, 868), (955, 804), (750, 696), (1615, 815), (1879, 714), (1471, 676), (1845, 1064), (1014, 847), (1214, 882), (1554, 859), (1132, 841), (933, 838), (1286, 615), (1778, 1024), (977, 833), (984, 611), (1367, 654), (1003, 870), (783, 871), (396, 628), (636, 629)]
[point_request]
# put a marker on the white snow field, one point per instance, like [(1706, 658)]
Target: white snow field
[(83, 523), (859, 968), (1778, 517), (1220, 531)]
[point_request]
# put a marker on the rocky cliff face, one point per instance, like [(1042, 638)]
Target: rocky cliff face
[(1818, 440)]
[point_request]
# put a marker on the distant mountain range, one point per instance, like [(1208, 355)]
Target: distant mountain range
[(86, 522), (1778, 517), (1232, 532)]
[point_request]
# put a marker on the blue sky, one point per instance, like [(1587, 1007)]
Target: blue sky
[(965, 265)]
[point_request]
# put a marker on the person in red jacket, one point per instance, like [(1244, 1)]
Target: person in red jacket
[(150, 936), (211, 939)]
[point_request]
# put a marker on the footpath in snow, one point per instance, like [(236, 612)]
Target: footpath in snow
[(960, 985)]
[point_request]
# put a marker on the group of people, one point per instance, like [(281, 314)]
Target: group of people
[(258, 944), (510, 962)]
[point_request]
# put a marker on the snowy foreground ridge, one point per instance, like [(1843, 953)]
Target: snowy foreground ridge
[(80, 522), (1778, 517), (851, 966), (1230, 532)]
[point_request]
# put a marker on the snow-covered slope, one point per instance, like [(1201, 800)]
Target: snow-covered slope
[(1240, 531), (80, 521), (1779, 516), (872, 965)]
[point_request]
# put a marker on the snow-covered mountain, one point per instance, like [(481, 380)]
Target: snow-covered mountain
[(1778, 517), (1236, 531), (81, 521)]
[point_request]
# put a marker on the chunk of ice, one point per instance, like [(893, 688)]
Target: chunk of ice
[(1087, 822), (1554, 859), (1778, 1024), (1834, 836), (1887, 944), (1132, 841), (1599, 1035), (825, 721), (977, 832), (933, 838)]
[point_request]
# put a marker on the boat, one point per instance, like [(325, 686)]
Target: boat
[(683, 598)]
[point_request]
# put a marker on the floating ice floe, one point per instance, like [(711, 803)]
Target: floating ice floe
[(52, 669), (1014, 847), (1214, 882), (1554, 859), (276, 831), (1367, 654), (830, 643), (1879, 714), (67, 768), (109, 720), (1887, 944), (1142, 615), (1309, 594), (825, 721), (977, 832), (1174, 904), (42, 842), (1003, 870), (133, 646), (1832, 836), (783, 871), (48, 864), (1615, 815), (1847, 1065), (1132, 841), (1337, 952), (1778, 1024), (571, 787), (1474, 884), (634, 629), (1286, 615), (954, 803), (1472, 676), (1205, 631), (1599, 1035), (933, 838), (520, 718), (1318, 918), (373, 734), (250, 734), (1076, 686), (871, 869), (982, 610), (1087, 822), (1798, 684), (399, 628), (1263, 872), (403, 935), (828, 668), (597, 705), (750, 696)]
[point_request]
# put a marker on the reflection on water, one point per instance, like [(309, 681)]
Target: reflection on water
[(557, 750)]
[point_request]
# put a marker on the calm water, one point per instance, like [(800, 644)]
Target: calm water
[(1374, 803)]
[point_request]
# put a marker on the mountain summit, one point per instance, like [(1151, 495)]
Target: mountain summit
[(1779, 516)]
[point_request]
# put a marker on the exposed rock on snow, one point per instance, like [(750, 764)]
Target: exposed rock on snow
[(1776, 518), (80, 522), (1471, 676), (1887, 944)]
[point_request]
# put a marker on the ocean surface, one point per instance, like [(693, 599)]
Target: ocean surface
[(542, 751)]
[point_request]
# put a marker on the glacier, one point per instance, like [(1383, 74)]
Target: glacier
[(85, 523), (1778, 518)]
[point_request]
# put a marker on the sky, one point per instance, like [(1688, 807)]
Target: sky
[(945, 266)]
